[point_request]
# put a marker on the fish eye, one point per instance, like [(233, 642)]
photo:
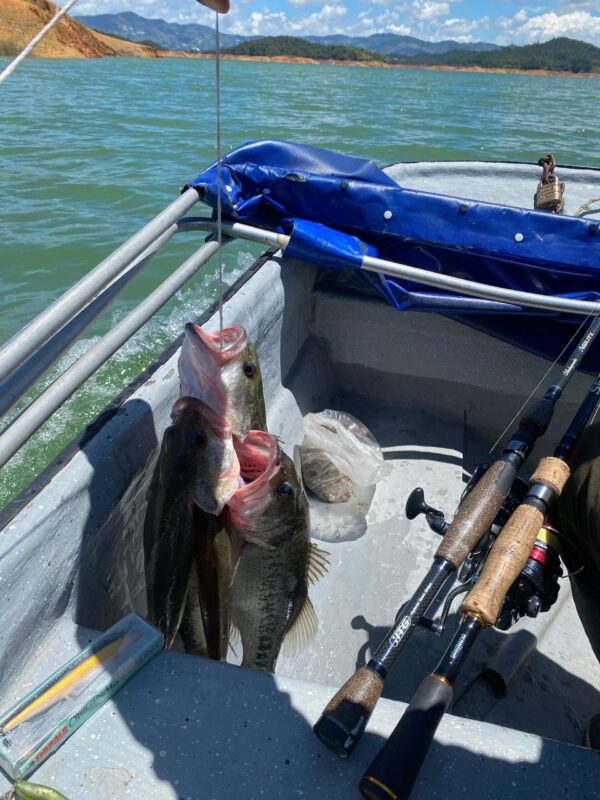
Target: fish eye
[(285, 489), (248, 370)]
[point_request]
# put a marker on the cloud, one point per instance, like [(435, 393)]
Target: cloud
[(427, 19), (301, 3), (574, 5), (401, 30), (278, 23), (522, 29), (171, 11), (428, 10), (460, 29)]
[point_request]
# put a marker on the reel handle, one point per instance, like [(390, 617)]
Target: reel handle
[(346, 715), (477, 512)]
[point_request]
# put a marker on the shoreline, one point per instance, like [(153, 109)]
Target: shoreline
[(385, 65), (159, 54)]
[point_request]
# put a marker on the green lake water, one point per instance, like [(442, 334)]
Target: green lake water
[(91, 150)]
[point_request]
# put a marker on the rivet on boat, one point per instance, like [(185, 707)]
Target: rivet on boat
[(387, 214), (463, 208), (519, 237)]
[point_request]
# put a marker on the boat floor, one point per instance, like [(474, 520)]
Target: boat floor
[(554, 674), (239, 733), (188, 728)]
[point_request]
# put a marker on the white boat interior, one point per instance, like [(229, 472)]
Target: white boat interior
[(437, 394)]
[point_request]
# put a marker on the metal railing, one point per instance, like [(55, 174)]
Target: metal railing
[(32, 352)]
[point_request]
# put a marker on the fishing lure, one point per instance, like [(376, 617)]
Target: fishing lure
[(24, 790)]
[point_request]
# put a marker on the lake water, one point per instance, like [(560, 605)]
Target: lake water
[(91, 150)]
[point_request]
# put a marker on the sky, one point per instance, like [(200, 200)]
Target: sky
[(499, 21)]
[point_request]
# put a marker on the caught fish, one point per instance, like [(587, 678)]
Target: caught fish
[(268, 521), (196, 474), (223, 371), (205, 624)]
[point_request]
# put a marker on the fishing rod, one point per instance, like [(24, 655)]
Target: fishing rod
[(394, 770), (345, 717)]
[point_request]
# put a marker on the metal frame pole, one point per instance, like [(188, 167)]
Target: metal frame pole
[(33, 335), (16, 385), (379, 265), (16, 434)]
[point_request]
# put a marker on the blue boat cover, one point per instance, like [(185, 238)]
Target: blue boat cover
[(338, 208)]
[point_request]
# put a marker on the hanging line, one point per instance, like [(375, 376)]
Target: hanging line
[(219, 210), (26, 50)]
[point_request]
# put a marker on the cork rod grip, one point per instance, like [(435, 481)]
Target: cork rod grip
[(507, 558), (553, 472), (511, 549), (346, 715), (477, 512)]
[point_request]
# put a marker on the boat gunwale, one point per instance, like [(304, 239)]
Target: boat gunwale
[(486, 161)]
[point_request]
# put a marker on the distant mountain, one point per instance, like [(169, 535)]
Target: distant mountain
[(176, 36), (391, 44), (557, 55), (172, 35)]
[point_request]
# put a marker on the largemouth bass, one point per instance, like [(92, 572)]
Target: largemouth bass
[(223, 371), (205, 624), (268, 521), (196, 474)]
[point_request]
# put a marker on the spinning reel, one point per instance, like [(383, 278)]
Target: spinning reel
[(536, 589)]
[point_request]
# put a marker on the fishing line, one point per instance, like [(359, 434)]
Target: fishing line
[(219, 211), (542, 379)]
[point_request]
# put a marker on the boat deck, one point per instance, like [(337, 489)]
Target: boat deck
[(188, 728), (554, 675), (185, 728), (435, 393)]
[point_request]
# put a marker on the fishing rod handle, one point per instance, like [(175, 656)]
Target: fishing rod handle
[(477, 512), (393, 771), (511, 549), (345, 717)]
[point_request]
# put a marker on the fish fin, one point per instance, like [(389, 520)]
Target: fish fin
[(303, 630), (235, 637), (258, 541), (318, 562)]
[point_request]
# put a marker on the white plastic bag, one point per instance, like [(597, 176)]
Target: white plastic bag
[(341, 463), (341, 522)]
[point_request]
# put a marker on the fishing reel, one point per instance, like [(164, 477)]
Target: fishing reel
[(535, 590), (416, 504)]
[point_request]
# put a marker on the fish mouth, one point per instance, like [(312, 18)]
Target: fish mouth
[(260, 460), (220, 346)]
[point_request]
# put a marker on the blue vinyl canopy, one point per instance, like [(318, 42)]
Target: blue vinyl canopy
[(337, 208)]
